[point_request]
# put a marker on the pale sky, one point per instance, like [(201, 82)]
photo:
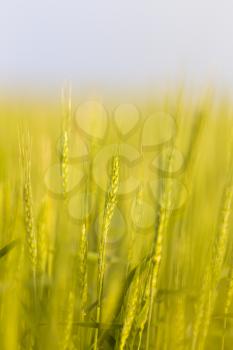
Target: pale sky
[(121, 41)]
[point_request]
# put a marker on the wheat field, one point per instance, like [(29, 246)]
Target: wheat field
[(116, 223)]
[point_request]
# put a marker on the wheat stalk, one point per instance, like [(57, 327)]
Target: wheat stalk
[(83, 271), (42, 238)]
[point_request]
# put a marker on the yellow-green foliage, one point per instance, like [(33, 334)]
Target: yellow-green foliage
[(116, 224)]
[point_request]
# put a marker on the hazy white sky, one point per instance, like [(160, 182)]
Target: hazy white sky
[(115, 41)]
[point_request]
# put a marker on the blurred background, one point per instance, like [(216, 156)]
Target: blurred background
[(124, 43)]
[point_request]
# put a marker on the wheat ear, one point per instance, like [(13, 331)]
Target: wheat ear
[(213, 271), (69, 323), (227, 305), (163, 219), (130, 312), (66, 119), (108, 214), (25, 151)]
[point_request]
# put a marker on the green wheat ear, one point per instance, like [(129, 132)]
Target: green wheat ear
[(65, 132), (25, 152), (111, 201), (130, 312), (213, 270)]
